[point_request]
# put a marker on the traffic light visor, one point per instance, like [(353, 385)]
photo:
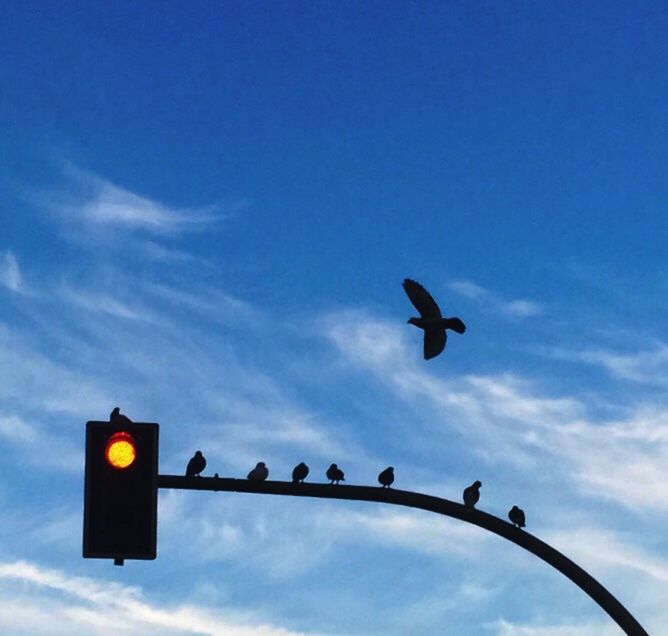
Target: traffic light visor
[(121, 450)]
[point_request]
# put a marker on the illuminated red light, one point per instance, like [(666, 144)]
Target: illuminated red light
[(121, 450)]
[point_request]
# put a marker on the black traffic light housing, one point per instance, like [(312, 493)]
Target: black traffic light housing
[(121, 504)]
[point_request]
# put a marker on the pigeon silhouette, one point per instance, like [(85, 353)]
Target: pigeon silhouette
[(299, 472), (334, 474), (259, 473), (472, 494), (386, 477), (117, 417), (430, 320), (517, 518), (196, 465)]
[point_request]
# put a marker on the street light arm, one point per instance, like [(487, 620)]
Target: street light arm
[(553, 557)]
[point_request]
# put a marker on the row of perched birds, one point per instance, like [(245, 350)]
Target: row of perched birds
[(471, 494)]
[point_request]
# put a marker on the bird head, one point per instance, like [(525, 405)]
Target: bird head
[(198, 453), (260, 464), (116, 411), (477, 484)]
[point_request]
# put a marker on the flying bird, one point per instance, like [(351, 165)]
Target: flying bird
[(431, 319), (299, 472), (386, 477), (472, 494), (196, 465), (334, 474), (516, 516), (118, 418), (259, 473)]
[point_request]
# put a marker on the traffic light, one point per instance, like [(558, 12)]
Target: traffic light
[(121, 490)]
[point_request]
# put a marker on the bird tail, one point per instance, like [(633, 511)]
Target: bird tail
[(455, 324)]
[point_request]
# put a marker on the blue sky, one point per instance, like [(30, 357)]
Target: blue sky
[(207, 211)]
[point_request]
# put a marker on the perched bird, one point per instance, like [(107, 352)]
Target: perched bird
[(386, 477), (196, 465), (259, 473), (517, 518), (334, 474), (430, 320), (117, 418), (472, 494), (299, 472)]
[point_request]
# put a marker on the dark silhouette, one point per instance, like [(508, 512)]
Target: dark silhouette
[(118, 418), (334, 474), (259, 473), (300, 472), (516, 516), (386, 477), (196, 465), (472, 494), (430, 320)]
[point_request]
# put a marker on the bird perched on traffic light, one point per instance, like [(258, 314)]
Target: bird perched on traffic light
[(334, 474), (259, 473), (430, 320), (386, 477), (472, 494), (196, 465), (516, 516), (116, 417), (300, 472)]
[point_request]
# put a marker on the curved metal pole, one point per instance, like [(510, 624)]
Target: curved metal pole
[(575, 573)]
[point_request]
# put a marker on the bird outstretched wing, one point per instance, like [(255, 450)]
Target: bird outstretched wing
[(434, 342), (421, 299)]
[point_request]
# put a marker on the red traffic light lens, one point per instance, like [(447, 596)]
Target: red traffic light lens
[(121, 450)]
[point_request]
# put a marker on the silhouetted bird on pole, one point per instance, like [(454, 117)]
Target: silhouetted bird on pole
[(259, 473), (472, 494), (196, 465), (118, 418), (334, 474), (386, 477), (430, 320), (516, 516), (299, 472)]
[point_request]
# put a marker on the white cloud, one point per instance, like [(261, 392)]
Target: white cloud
[(644, 367), (469, 290), (506, 628), (94, 211), (98, 202), (517, 308), (33, 378), (101, 303), (36, 600), (10, 274), (15, 428), (603, 550), (415, 531)]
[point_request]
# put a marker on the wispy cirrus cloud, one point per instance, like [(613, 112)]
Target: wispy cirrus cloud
[(516, 308), (602, 549), (97, 202), (649, 367), (94, 211), (10, 273), (503, 627), (37, 600)]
